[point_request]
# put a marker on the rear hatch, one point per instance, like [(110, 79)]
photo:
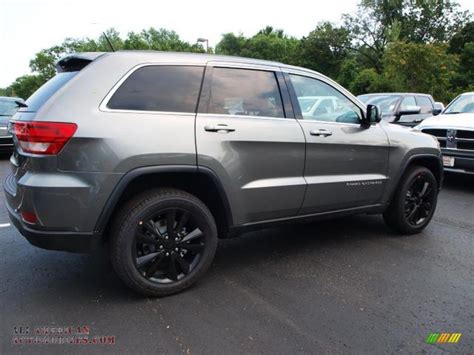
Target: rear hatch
[(37, 142)]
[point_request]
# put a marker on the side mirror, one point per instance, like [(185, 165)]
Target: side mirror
[(372, 116), (437, 111), (409, 110)]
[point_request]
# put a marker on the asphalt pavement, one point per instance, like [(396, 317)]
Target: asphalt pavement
[(341, 286)]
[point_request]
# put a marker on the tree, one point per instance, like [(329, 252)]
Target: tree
[(325, 48), (160, 40), (426, 68), (26, 85), (268, 43), (428, 21), (459, 40), (377, 23)]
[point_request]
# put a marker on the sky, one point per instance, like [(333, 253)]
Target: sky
[(27, 26)]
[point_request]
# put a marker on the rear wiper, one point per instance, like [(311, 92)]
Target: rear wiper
[(20, 104)]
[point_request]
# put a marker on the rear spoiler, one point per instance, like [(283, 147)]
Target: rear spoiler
[(76, 61)]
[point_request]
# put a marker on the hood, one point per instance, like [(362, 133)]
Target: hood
[(455, 121)]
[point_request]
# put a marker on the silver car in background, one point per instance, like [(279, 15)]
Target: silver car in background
[(8, 107)]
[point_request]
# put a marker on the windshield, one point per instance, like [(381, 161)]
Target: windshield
[(462, 104), (7, 107), (385, 103)]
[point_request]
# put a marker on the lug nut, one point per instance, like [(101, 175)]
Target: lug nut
[(166, 238), (167, 254), (176, 249), (161, 246)]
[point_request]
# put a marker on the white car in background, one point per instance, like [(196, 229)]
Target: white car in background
[(318, 105), (454, 129)]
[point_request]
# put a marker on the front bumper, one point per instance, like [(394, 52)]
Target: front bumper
[(463, 161), (56, 240)]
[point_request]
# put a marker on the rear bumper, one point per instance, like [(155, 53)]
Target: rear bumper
[(56, 240)]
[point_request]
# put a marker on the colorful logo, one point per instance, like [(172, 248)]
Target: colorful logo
[(442, 338)]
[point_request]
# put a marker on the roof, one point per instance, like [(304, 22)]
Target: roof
[(198, 58), (394, 94)]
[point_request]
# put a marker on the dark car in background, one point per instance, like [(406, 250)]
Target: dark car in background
[(406, 109), (8, 106)]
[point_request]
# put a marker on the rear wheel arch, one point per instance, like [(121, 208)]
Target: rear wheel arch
[(200, 182)]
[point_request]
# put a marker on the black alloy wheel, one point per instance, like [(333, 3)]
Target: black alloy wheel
[(419, 200), (162, 241), (414, 201), (168, 246)]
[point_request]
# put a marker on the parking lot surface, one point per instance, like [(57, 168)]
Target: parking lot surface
[(341, 286)]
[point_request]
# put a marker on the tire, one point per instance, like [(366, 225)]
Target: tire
[(144, 248), (403, 215)]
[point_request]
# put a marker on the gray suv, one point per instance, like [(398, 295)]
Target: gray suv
[(159, 154)]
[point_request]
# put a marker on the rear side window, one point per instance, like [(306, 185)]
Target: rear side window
[(160, 88), (245, 92), (43, 94), (425, 104)]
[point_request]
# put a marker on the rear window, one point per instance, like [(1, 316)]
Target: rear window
[(42, 95), (7, 107), (160, 88)]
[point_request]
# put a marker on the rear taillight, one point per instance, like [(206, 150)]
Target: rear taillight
[(43, 137)]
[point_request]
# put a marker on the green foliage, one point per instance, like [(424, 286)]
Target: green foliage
[(325, 49), (386, 45), (268, 43), (26, 85), (420, 67)]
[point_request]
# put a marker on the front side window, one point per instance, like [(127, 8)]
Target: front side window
[(245, 92), (407, 103), (160, 88), (425, 104), (321, 102)]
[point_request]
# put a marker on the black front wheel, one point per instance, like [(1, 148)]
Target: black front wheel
[(414, 202), (163, 241)]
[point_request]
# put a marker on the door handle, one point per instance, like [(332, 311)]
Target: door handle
[(219, 128), (320, 133)]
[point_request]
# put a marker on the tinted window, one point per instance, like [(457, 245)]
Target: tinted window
[(407, 103), (41, 95), (320, 101), (245, 92), (425, 104), (159, 88)]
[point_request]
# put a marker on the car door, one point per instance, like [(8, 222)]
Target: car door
[(247, 135), (346, 164)]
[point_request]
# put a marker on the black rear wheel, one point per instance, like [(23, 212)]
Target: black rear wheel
[(414, 202), (163, 242)]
